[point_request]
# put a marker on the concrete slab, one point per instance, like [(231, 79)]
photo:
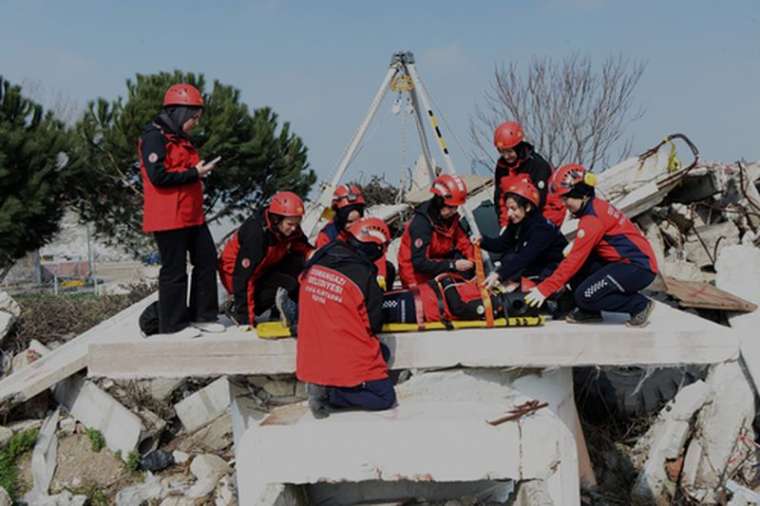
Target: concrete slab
[(437, 433), (208, 403), (673, 337)]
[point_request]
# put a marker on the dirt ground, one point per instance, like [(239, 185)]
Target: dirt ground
[(79, 466)]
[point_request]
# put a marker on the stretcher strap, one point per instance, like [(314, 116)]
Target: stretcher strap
[(440, 298), (480, 277), (418, 310)]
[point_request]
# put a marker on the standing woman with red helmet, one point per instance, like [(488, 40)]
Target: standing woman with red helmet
[(266, 253), (434, 241), (610, 261), (531, 246), (171, 171), (519, 157)]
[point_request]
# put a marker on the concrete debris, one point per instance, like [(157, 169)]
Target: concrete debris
[(204, 405), (664, 443), (67, 426), (208, 470), (5, 435), (743, 493), (533, 493), (89, 404), (34, 352), (177, 501), (720, 427), (5, 499), (44, 459), (213, 437), (65, 498), (225, 492), (180, 457), (151, 488), (161, 389), (9, 312)]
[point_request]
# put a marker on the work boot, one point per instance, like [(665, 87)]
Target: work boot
[(288, 310), (318, 400), (211, 327), (188, 332), (641, 319), (578, 315)]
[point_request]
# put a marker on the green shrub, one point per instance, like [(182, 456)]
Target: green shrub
[(96, 439), (19, 444)]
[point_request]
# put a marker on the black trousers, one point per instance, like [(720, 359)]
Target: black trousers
[(283, 274), (615, 287), (174, 313)]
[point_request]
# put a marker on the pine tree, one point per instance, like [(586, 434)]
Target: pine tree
[(36, 165), (258, 156)]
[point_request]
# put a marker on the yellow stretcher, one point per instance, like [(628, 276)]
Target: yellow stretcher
[(276, 330)]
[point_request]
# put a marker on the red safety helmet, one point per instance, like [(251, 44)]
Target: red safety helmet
[(286, 204), (521, 186), (451, 188), (347, 195), (370, 229), (508, 135), (183, 94), (566, 177)]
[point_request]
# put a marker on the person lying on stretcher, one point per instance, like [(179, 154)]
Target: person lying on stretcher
[(450, 297)]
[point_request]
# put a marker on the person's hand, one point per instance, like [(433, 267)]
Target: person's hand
[(204, 167), (475, 241), (492, 280), (535, 298), (463, 265)]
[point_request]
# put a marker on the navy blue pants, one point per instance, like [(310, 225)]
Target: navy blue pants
[(374, 395), (371, 395), (611, 287)]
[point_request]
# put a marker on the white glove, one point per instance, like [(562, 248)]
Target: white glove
[(535, 298), (492, 280)]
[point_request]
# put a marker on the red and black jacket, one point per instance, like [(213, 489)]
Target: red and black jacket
[(531, 163), (339, 316), (534, 247), (609, 234), (172, 190), (252, 251), (428, 248)]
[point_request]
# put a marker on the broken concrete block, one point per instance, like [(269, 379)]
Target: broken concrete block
[(180, 457), (207, 469), (67, 425), (9, 312), (225, 492), (5, 435), (214, 436), (162, 388), (204, 405), (24, 425), (280, 388), (533, 493), (151, 488), (34, 352), (713, 239), (177, 501), (92, 406), (44, 459), (281, 494), (718, 426), (666, 439)]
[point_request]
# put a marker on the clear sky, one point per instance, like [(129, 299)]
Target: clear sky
[(318, 63)]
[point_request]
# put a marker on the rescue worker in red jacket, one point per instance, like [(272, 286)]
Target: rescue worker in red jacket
[(519, 157), (348, 204), (340, 315), (433, 241), (267, 252), (171, 172), (531, 246), (610, 261)]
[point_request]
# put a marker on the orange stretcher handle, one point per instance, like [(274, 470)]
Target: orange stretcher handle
[(480, 278)]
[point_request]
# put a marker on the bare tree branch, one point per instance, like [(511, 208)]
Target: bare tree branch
[(571, 110)]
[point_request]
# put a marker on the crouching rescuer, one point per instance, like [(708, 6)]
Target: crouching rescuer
[(610, 261), (339, 316), (266, 253)]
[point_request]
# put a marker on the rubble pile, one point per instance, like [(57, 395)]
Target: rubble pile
[(172, 439)]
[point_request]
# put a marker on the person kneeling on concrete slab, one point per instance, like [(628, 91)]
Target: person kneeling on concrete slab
[(267, 252), (339, 316), (610, 260)]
